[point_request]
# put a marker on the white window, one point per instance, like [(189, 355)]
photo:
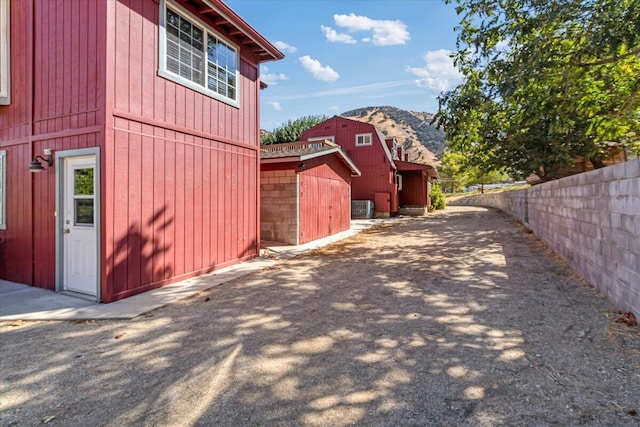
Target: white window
[(322, 138), (363, 139), (3, 189), (5, 47), (192, 55)]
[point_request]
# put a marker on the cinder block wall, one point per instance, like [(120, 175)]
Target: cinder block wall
[(279, 206), (592, 220)]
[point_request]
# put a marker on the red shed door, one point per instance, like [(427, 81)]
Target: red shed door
[(79, 233)]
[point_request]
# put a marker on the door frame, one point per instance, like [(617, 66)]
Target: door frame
[(61, 156)]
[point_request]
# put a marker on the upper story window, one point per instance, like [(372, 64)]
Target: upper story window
[(5, 47), (363, 139), (192, 55), (3, 189)]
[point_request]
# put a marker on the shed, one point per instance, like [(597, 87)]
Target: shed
[(142, 120), (414, 187), (305, 191)]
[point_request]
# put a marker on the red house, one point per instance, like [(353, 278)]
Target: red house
[(387, 179), (305, 191), (142, 117)]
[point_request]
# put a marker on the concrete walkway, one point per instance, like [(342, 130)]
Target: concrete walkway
[(22, 302)]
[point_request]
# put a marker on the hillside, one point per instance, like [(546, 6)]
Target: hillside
[(423, 142)]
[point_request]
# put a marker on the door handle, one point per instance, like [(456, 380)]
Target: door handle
[(66, 231)]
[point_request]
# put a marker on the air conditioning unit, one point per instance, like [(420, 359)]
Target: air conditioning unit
[(361, 209)]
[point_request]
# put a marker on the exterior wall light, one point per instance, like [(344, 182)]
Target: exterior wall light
[(36, 166)]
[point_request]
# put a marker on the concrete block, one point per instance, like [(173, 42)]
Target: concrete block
[(632, 169), (619, 171), (630, 187), (627, 223)]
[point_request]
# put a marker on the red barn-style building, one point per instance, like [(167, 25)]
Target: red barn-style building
[(305, 190), (143, 117), (387, 179)]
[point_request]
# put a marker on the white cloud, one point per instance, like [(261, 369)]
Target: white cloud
[(438, 74), (314, 66), (333, 108), (349, 90), (271, 78), (275, 104), (334, 37), (384, 32), (285, 47)]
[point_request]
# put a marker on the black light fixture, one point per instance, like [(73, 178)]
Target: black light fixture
[(36, 166)]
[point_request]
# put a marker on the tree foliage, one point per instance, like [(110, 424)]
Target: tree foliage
[(466, 173), (545, 81), (436, 196), (291, 130)]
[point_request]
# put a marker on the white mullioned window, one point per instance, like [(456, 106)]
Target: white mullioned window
[(3, 189), (363, 139), (5, 54), (193, 55)]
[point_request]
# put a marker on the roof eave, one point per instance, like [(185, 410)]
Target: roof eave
[(266, 51)]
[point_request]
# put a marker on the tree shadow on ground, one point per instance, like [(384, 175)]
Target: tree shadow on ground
[(460, 318)]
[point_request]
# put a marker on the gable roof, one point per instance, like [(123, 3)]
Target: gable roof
[(222, 15), (304, 150)]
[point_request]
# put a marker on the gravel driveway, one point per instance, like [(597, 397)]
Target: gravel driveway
[(458, 318)]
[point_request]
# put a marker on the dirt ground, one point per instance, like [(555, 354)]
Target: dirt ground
[(460, 318)]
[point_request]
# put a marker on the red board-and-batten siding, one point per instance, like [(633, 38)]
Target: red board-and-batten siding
[(302, 205), (179, 169), (183, 166), (56, 102), (325, 198), (377, 172)]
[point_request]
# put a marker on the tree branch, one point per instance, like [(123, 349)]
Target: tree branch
[(609, 60)]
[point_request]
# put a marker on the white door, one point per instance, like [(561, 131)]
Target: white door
[(79, 228)]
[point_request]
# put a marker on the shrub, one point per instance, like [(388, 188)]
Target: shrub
[(437, 198)]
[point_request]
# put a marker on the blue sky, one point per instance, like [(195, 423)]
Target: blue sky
[(342, 55)]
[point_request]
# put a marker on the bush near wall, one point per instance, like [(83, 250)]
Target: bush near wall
[(437, 198)]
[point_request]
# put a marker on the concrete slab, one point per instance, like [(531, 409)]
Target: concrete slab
[(22, 302)]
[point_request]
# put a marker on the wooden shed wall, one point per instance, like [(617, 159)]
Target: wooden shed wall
[(180, 205), (57, 101), (414, 189), (325, 198), (181, 168)]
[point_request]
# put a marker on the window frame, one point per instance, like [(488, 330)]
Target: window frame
[(3, 189), (370, 135), (208, 32), (5, 52)]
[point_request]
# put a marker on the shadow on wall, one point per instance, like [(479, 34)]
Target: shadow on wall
[(142, 257)]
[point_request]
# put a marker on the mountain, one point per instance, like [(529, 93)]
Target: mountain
[(424, 143)]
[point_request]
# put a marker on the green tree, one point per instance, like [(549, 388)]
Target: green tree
[(545, 81), (291, 130), (465, 173), (436, 196)]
